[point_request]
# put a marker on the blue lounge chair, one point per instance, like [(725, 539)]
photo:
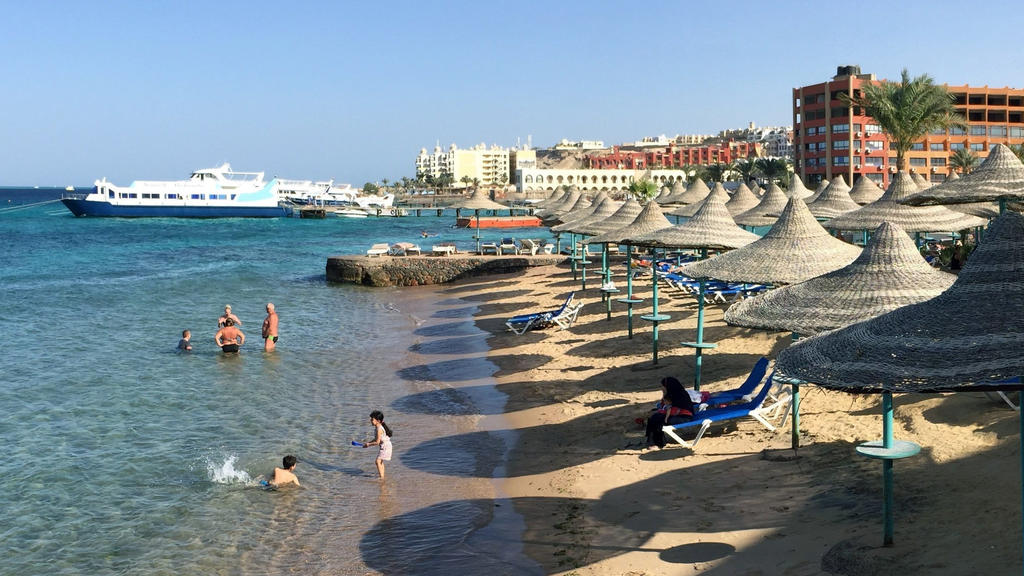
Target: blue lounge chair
[(754, 408), (562, 317), (745, 391)]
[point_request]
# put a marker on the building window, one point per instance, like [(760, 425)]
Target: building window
[(997, 131), (837, 128), (936, 146), (956, 131), (956, 146), (874, 145), (918, 161), (938, 161), (917, 146), (876, 178), (841, 160), (938, 132), (841, 145), (872, 129), (1016, 132), (977, 130), (874, 161), (977, 146), (857, 127)]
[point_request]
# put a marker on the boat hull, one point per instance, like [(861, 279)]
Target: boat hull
[(82, 207), (498, 222)]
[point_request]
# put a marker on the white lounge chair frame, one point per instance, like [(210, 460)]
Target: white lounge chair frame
[(377, 250), (782, 400)]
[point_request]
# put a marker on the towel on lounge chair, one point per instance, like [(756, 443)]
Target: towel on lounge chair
[(378, 250)]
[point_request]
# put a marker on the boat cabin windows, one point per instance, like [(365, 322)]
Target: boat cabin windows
[(218, 196), (173, 196), (199, 196), (146, 195), (128, 195)]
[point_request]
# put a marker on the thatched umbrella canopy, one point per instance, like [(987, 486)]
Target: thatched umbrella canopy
[(555, 197), (556, 215), (695, 191), (648, 220), (710, 227), (920, 182), (889, 273), (889, 208), (833, 200), (743, 199), (568, 200), (796, 248), (1000, 178), (865, 191), (765, 213), (797, 189), (755, 188), (688, 210), (478, 200), (663, 194), (624, 215), (967, 338), (601, 209), (817, 191)]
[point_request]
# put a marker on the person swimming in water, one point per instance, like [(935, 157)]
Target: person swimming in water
[(229, 338), (285, 474)]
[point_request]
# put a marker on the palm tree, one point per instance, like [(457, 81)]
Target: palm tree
[(747, 168), (1018, 151), (643, 190), (717, 171), (774, 169), (963, 160), (907, 110)]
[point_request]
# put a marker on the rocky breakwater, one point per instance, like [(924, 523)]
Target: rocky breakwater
[(420, 270)]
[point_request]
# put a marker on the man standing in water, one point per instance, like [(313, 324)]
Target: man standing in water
[(229, 338), (270, 329)]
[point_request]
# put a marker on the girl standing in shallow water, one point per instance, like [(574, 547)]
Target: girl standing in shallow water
[(383, 439)]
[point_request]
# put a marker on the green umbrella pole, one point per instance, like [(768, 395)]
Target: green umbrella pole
[(477, 231), (795, 407), (865, 232), (699, 349), (558, 242), (572, 238), (887, 443), (654, 290), (629, 290), (1002, 206)]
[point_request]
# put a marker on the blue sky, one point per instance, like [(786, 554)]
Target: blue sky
[(353, 90)]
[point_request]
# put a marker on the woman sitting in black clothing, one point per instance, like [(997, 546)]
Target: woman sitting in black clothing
[(675, 407)]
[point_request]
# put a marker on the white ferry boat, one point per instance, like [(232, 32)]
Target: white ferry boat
[(208, 193)]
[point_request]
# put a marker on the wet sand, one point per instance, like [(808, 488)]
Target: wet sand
[(743, 502)]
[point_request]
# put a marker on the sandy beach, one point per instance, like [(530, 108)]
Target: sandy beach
[(743, 502)]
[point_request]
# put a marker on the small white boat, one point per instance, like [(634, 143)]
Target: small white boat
[(350, 213)]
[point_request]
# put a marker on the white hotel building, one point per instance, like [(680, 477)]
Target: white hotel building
[(534, 182), (488, 165)]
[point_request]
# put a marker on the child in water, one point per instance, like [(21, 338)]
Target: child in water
[(383, 439), (283, 475)]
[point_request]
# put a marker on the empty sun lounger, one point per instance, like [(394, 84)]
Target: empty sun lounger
[(754, 408), (443, 249), (404, 249), (508, 246), (563, 317), (489, 248), (378, 250), (529, 246)]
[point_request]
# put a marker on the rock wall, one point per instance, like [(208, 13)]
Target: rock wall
[(419, 270)]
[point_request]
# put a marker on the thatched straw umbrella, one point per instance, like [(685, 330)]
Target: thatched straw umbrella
[(755, 188), (773, 202), (833, 200), (556, 195), (796, 248), (743, 199), (602, 210), (695, 191), (967, 338), (888, 274), (865, 191), (649, 219), (582, 209), (559, 205), (797, 189), (476, 202), (595, 225), (920, 182), (889, 208), (663, 193), (688, 210), (1000, 178), (710, 228), (817, 191)]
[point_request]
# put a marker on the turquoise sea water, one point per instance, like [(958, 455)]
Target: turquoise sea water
[(124, 456)]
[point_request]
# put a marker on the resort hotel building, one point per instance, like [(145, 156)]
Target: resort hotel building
[(535, 182), (489, 166), (832, 138)]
